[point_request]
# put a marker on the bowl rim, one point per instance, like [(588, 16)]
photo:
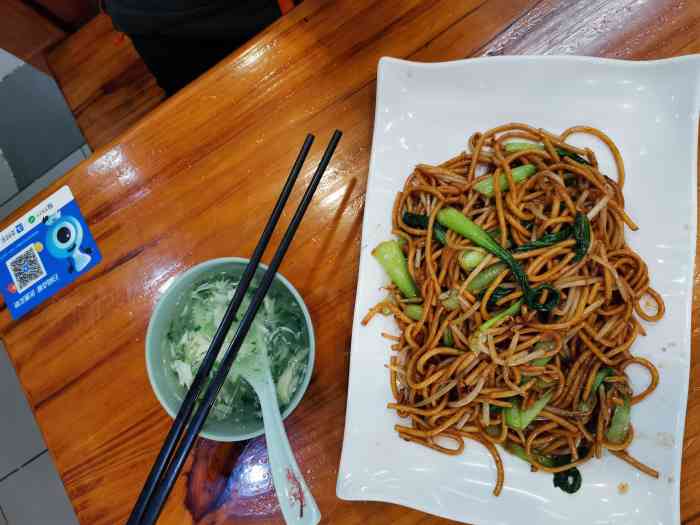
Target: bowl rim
[(150, 343)]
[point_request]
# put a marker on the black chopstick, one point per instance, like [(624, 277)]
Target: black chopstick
[(165, 485), (185, 411)]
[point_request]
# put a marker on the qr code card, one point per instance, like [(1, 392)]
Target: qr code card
[(26, 268), (44, 251)]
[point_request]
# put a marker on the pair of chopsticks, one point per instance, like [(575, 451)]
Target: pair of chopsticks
[(170, 459)]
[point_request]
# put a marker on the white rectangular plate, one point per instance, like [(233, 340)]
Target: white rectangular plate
[(425, 113)]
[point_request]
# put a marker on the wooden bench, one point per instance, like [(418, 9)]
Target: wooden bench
[(106, 84)]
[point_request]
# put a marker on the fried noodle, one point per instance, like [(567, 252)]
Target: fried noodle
[(451, 382)]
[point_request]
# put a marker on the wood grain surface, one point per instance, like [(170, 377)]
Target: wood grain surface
[(106, 84), (194, 180)]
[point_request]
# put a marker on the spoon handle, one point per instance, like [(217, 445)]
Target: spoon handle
[(296, 501)]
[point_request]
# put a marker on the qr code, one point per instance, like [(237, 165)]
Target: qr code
[(26, 268)]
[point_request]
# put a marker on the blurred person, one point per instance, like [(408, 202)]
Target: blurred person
[(181, 39)]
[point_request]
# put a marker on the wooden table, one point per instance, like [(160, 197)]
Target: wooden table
[(195, 180)]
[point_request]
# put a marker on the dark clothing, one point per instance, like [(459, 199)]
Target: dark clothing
[(181, 39)]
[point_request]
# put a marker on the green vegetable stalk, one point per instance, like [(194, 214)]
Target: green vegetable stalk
[(512, 147), (485, 186), (519, 419), (482, 281), (600, 376), (512, 310), (620, 424), (478, 337), (456, 221), (588, 404), (450, 299), (542, 361), (392, 259), (519, 452), (447, 337), (414, 311), (471, 258), (546, 346)]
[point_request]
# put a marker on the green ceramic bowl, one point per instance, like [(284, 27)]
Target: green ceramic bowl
[(163, 379)]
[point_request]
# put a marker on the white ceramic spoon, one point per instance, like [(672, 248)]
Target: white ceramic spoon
[(296, 501)]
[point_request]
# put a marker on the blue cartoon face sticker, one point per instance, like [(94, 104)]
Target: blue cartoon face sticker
[(63, 239)]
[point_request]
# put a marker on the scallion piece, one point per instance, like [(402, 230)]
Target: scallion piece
[(600, 376), (512, 147), (477, 340), (450, 299), (414, 311), (519, 419), (472, 257), (512, 310), (546, 346), (543, 346), (485, 278), (519, 452), (485, 186), (620, 424)]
